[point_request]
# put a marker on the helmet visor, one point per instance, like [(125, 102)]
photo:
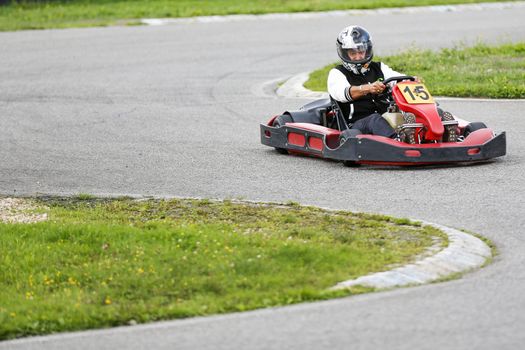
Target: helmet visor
[(360, 53)]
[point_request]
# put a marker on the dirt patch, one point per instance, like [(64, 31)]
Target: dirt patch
[(18, 210)]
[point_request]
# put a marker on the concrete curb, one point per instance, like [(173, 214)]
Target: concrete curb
[(464, 253), (294, 88)]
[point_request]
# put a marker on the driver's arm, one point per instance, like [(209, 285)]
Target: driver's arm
[(367, 89), (342, 91)]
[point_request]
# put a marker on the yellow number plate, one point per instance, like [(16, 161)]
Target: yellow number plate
[(415, 93)]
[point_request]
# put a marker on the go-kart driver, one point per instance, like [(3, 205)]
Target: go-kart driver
[(357, 81)]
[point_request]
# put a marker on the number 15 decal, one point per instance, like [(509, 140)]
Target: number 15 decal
[(415, 93)]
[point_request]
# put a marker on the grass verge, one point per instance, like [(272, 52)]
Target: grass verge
[(105, 262), (17, 15), (478, 71)]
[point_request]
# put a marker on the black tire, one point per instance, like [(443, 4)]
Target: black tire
[(351, 164), (279, 122), (282, 120), (471, 127)]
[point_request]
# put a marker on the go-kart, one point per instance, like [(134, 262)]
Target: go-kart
[(426, 134)]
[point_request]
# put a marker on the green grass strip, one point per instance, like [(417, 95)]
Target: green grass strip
[(101, 263), (17, 15), (478, 71)]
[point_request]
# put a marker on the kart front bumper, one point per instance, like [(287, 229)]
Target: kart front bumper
[(371, 149)]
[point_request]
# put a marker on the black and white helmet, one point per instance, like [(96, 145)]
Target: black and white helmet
[(355, 39)]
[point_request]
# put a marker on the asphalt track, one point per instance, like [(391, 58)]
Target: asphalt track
[(174, 111)]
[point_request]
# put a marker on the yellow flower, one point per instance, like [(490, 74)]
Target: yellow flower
[(107, 301), (140, 271)]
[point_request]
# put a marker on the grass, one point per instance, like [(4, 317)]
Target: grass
[(84, 196), (478, 71), (17, 15), (106, 262)]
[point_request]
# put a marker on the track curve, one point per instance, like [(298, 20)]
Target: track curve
[(171, 111)]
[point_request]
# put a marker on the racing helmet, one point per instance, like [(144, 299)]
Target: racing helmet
[(352, 42)]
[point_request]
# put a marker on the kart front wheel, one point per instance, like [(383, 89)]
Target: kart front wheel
[(471, 127), (279, 122)]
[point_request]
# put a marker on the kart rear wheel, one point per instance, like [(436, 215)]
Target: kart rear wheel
[(279, 122), (351, 164), (471, 127)]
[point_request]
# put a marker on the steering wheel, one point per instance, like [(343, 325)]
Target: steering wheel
[(384, 97), (399, 78)]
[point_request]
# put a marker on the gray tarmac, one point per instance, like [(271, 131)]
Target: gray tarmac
[(175, 110)]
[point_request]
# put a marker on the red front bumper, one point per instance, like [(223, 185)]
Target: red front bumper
[(371, 149)]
